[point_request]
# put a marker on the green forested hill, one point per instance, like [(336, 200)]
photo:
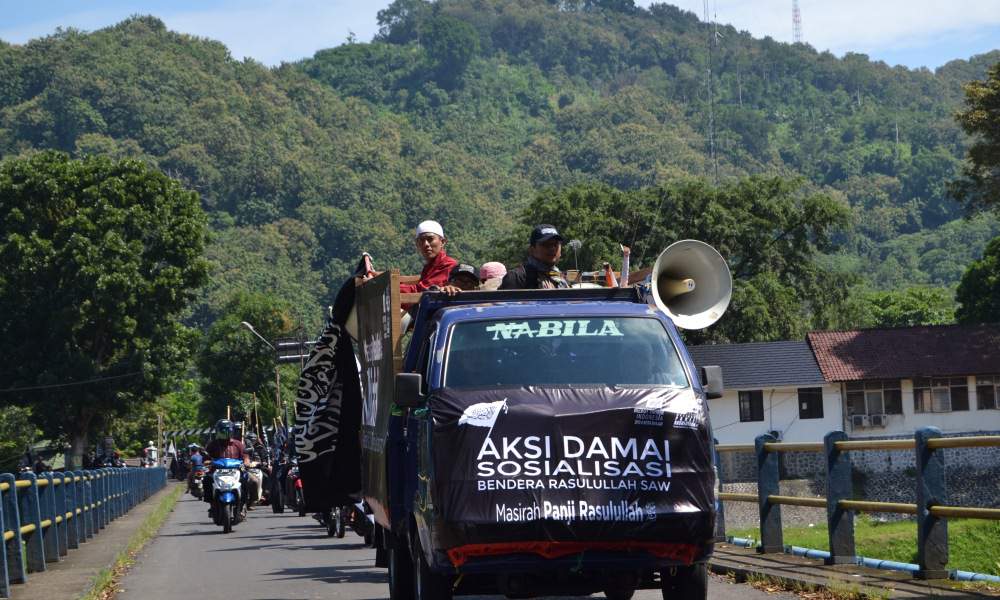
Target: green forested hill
[(462, 110)]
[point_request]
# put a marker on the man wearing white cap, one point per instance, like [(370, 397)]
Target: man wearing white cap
[(430, 242)]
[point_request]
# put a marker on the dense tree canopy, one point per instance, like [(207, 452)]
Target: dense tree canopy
[(97, 261), (769, 229), (979, 292), (980, 187), (463, 110), (234, 362)]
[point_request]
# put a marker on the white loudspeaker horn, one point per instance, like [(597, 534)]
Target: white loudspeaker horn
[(691, 283)]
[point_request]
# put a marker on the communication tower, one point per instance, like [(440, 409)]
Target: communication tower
[(796, 22)]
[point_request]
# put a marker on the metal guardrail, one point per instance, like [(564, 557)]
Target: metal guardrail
[(931, 511), (43, 517)]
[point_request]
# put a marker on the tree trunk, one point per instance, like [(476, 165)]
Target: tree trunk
[(78, 442), (77, 446)]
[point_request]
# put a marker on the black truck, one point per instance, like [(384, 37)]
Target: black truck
[(528, 443)]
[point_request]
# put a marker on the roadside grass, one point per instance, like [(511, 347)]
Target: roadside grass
[(106, 582), (973, 544), (835, 590)]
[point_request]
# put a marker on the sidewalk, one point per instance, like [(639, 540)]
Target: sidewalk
[(72, 576), (744, 562)]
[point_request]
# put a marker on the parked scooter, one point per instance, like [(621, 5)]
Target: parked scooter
[(228, 507)]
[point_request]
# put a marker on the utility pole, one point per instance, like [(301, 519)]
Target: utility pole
[(160, 450)]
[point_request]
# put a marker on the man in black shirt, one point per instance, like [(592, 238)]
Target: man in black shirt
[(539, 271)]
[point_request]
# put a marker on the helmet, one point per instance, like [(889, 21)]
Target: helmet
[(150, 442), (223, 429), (251, 436)]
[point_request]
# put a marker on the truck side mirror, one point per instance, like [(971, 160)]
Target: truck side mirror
[(711, 381), (408, 393)]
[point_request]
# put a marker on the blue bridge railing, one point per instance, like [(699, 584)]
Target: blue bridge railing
[(44, 516)]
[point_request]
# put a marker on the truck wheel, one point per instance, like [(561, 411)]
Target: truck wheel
[(400, 573), (619, 594), (428, 585), (687, 583)]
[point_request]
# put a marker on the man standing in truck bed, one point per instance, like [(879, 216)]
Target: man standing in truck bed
[(539, 271), (430, 243)]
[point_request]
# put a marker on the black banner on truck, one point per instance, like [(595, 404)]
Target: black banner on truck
[(328, 414), (573, 463), (375, 304)]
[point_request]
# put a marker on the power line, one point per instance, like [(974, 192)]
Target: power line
[(70, 384)]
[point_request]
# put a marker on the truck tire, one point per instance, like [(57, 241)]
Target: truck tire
[(685, 583), (401, 578), (428, 585)]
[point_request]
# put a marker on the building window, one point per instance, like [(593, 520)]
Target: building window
[(941, 394), (811, 403), (877, 397), (988, 392), (752, 406)]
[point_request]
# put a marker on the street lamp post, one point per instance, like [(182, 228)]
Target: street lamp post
[(256, 333), (277, 384)]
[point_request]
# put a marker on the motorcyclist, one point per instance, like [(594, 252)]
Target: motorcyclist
[(197, 461), (150, 455), (223, 446)]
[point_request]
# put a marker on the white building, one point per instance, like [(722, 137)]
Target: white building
[(873, 382)]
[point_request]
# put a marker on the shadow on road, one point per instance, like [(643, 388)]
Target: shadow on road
[(331, 574)]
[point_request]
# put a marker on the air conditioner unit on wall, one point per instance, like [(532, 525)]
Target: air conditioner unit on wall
[(879, 420), (859, 421)]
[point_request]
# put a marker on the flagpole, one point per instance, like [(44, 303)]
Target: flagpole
[(495, 417)]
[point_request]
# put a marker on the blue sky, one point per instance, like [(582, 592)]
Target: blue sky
[(909, 32)]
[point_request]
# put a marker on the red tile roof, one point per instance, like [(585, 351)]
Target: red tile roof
[(907, 352)]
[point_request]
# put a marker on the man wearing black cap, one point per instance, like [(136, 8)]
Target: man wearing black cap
[(539, 271)]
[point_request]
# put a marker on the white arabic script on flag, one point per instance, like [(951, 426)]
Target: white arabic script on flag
[(483, 414)]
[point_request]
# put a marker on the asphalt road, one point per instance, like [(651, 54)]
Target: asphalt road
[(281, 556)]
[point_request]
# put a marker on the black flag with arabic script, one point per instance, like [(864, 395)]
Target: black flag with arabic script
[(328, 410)]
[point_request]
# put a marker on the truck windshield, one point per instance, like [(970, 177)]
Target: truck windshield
[(588, 351)]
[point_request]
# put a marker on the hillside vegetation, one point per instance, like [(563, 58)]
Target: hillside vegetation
[(466, 110)]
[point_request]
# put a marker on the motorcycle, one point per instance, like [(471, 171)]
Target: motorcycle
[(334, 520), (195, 482), (228, 507)]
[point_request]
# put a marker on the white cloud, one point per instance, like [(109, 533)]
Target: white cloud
[(856, 25)]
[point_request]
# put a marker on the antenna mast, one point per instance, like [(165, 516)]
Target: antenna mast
[(796, 22), (713, 34)]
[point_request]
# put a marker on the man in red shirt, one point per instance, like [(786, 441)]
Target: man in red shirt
[(430, 243), (223, 446)]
